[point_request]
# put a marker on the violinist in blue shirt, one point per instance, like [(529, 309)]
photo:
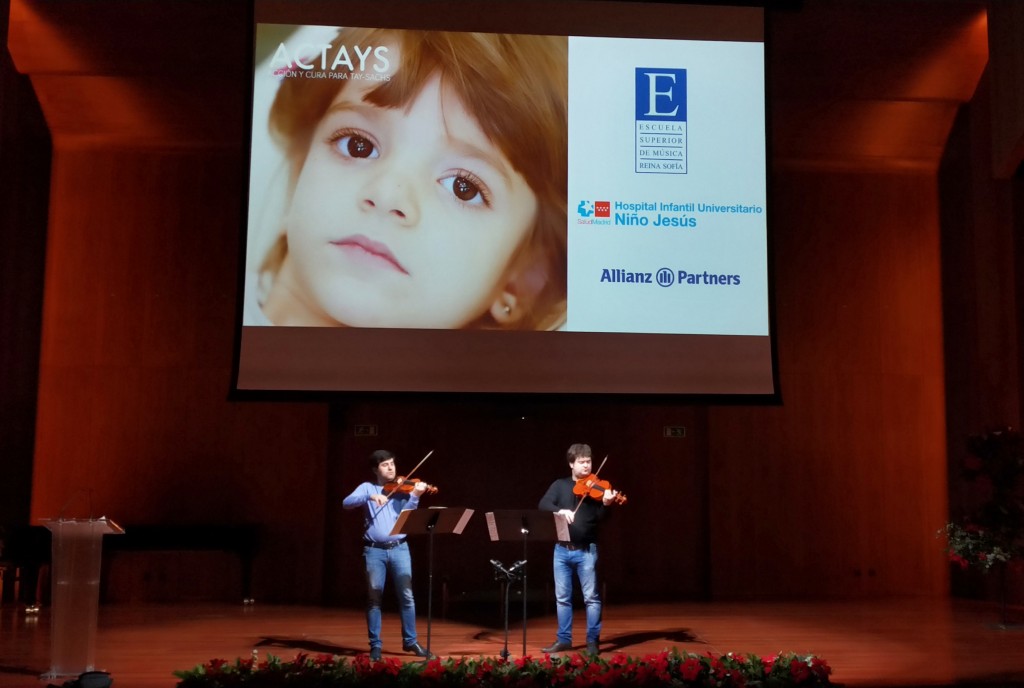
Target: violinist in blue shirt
[(385, 553)]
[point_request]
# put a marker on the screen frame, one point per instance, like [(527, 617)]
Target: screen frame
[(551, 364)]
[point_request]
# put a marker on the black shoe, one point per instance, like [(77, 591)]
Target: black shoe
[(419, 651), (593, 649), (557, 646), (374, 654)]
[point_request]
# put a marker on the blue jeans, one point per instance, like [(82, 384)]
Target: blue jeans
[(582, 562), (399, 563)]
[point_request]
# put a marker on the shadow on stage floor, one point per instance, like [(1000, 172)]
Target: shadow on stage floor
[(899, 642)]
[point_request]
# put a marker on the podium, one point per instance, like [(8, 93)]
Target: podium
[(75, 575), (511, 525), (436, 519)]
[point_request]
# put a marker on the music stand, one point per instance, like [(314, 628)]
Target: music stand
[(512, 524), (436, 519)]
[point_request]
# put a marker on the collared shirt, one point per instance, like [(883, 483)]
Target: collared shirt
[(379, 520)]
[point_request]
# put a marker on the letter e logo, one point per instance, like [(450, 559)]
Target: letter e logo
[(660, 94)]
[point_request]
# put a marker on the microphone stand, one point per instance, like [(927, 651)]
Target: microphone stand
[(506, 577), (526, 539)]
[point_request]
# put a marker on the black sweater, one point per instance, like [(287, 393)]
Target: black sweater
[(584, 528)]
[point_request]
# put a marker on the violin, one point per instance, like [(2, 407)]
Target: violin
[(593, 487), (405, 486)]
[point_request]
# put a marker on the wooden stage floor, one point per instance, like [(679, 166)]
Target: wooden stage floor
[(900, 642)]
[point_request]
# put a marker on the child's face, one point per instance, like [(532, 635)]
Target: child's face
[(403, 218)]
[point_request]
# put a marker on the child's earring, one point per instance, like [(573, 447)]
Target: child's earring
[(504, 310)]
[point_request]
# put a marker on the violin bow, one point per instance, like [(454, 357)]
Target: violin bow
[(595, 474), (411, 472)]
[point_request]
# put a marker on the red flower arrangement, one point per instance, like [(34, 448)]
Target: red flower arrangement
[(667, 668), (994, 533)]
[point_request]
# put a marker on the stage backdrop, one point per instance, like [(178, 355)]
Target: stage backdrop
[(836, 492)]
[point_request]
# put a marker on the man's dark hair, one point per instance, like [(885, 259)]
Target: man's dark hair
[(576, 451), (378, 457)]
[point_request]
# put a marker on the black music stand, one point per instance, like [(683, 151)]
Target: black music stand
[(525, 524), (436, 519)]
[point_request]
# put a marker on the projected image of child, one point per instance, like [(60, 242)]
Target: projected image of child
[(425, 192)]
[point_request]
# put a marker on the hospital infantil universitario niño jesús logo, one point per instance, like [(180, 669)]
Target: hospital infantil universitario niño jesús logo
[(594, 209), (594, 212), (660, 121)]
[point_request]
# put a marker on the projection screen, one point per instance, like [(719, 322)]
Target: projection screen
[(498, 196)]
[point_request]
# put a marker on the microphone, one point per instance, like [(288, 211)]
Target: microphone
[(516, 567), (499, 567)]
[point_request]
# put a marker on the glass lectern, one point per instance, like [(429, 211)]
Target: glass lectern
[(75, 596)]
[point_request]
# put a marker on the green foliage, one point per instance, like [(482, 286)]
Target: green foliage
[(972, 545)]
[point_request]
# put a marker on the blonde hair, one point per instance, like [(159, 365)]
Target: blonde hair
[(516, 87)]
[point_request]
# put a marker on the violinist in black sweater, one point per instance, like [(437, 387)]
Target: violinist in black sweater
[(579, 556)]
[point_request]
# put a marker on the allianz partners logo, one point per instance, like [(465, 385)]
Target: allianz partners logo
[(660, 121), (594, 213)]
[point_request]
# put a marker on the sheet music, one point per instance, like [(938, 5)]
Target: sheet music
[(462, 522), (561, 527), (444, 517)]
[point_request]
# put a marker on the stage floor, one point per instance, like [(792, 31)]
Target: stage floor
[(899, 642)]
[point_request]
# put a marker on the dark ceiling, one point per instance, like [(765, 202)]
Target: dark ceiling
[(852, 83), (860, 83)]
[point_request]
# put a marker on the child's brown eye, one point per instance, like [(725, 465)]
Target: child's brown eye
[(358, 147), (467, 188), (350, 144), (464, 189)]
